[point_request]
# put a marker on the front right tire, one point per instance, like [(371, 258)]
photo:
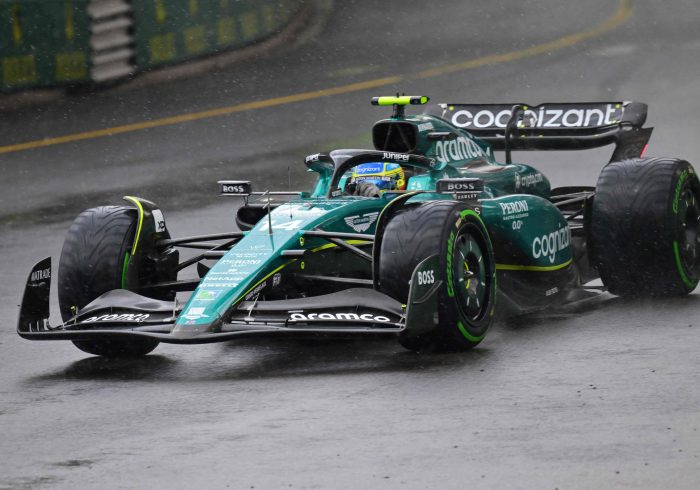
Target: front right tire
[(467, 290)]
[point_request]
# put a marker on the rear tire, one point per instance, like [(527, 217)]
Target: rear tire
[(645, 227), (93, 261), (467, 294)]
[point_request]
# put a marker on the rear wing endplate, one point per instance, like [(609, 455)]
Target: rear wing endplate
[(555, 126)]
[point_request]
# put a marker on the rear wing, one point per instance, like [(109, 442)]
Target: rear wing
[(555, 126)]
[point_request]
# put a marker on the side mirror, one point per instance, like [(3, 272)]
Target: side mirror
[(320, 162)]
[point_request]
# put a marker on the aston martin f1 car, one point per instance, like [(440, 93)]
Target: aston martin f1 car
[(424, 238)]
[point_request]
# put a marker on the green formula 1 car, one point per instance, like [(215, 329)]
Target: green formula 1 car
[(423, 238)]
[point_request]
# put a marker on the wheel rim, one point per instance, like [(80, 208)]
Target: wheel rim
[(689, 239), (470, 274)]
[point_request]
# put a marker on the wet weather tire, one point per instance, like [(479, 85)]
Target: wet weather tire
[(467, 291), (645, 227), (93, 260)]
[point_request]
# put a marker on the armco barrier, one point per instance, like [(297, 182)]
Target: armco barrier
[(45, 43), (111, 39)]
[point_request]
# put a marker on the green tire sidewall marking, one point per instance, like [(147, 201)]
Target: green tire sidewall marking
[(469, 212), (676, 252), (450, 291), (681, 269), (679, 186), (450, 247), (469, 336)]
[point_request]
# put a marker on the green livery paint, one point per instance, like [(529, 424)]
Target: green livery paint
[(125, 266), (537, 245), (528, 233), (249, 267), (534, 268)]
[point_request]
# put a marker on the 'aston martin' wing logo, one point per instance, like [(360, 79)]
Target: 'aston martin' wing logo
[(361, 223)]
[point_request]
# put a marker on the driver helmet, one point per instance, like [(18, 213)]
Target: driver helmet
[(386, 176)]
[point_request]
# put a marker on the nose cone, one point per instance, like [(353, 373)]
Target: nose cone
[(190, 324)]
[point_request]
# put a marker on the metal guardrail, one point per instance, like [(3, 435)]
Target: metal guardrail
[(111, 39), (70, 42)]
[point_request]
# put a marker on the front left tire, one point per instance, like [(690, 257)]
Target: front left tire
[(93, 261)]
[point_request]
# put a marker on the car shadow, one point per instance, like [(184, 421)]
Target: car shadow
[(269, 358), (99, 368), (604, 302), (324, 357), (289, 357)]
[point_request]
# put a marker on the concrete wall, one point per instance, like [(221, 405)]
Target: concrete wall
[(48, 43)]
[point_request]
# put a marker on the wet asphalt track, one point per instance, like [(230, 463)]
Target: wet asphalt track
[(607, 397)]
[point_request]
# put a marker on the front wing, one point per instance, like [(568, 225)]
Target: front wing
[(121, 313)]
